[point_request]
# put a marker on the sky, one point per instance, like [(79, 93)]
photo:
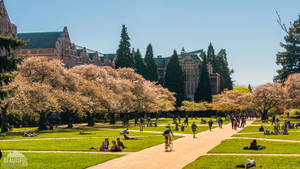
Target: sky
[(248, 30)]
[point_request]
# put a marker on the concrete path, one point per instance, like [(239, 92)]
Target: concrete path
[(186, 150)]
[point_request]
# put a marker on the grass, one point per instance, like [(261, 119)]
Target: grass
[(292, 136), (293, 120), (256, 129), (272, 147), (65, 133), (187, 130), (229, 162), (63, 160), (166, 121), (79, 144)]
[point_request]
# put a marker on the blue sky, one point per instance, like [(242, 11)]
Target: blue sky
[(246, 29)]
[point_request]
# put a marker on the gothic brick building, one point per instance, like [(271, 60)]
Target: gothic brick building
[(190, 63), (58, 45)]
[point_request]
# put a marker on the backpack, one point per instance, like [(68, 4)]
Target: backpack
[(167, 131)]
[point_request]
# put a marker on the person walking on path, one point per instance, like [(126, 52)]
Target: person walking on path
[(194, 128), (186, 121), (210, 123), (141, 123), (220, 121)]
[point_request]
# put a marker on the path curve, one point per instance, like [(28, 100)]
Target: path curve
[(186, 151)]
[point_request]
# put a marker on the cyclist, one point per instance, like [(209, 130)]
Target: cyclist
[(167, 134)]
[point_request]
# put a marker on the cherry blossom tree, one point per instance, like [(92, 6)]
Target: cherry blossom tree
[(268, 96), (292, 87)]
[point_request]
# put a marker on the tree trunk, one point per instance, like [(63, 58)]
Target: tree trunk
[(112, 119), (4, 123), (43, 121), (91, 119), (264, 115), (70, 119)]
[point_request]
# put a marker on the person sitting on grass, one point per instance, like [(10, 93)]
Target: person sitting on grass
[(284, 130), (182, 127), (194, 128), (297, 125), (203, 121), (120, 144), (250, 163), (115, 147), (276, 131), (104, 146), (267, 132), (261, 129), (255, 146)]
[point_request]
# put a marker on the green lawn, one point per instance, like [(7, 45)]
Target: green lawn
[(230, 162), (65, 133), (165, 121), (292, 136), (272, 147), (79, 144), (63, 160), (187, 130), (256, 129), (293, 120)]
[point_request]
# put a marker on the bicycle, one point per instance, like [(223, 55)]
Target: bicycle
[(169, 147)]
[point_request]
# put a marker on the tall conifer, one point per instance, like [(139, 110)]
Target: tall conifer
[(289, 60), (174, 79), (123, 53), (139, 64), (203, 92), (8, 64), (151, 66)]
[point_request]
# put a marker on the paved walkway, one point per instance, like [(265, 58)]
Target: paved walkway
[(186, 151)]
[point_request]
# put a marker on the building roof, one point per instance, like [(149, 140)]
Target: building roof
[(91, 53), (40, 40), (161, 62)]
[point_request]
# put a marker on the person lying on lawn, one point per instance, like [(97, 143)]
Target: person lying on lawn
[(129, 138), (84, 133), (29, 135)]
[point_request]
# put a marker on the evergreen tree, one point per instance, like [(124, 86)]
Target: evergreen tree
[(139, 64), (174, 80), (8, 64), (132, 56), (203, 92), (123, 53), (223, 69), (211, 55), (289, 60), (151, 66)]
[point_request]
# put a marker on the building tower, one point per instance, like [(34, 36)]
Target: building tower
[(6, 27)]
